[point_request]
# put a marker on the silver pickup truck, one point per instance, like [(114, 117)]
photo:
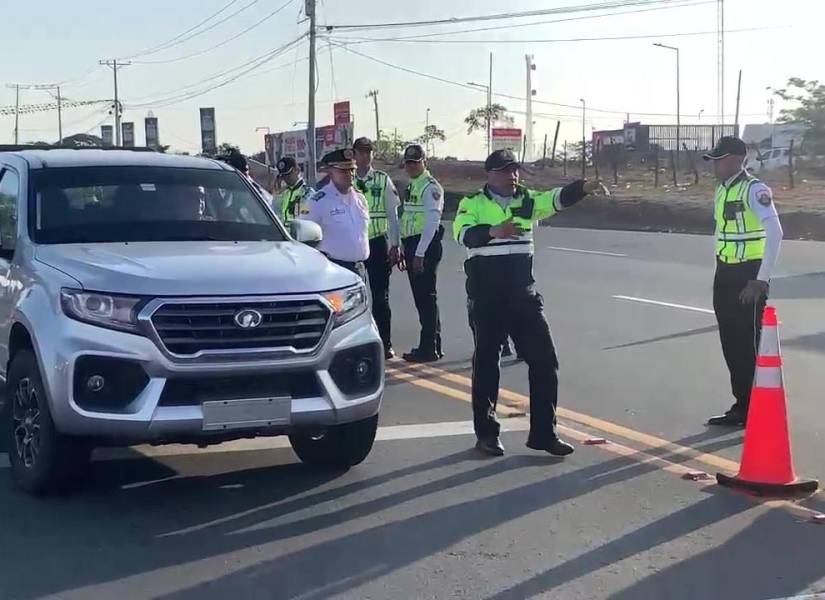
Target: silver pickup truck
[(147, 298)]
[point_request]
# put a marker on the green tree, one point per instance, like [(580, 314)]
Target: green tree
[(390, 147), (431, 134), (479, 118), (809, 97)]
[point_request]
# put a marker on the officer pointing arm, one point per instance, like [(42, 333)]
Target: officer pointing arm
[(496, 227)]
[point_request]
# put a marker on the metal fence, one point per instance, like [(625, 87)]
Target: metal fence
[(695, 137)]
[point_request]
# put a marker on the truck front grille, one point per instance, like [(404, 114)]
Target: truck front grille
[(193, 327)]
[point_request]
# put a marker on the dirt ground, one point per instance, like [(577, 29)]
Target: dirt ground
[(636, 204)]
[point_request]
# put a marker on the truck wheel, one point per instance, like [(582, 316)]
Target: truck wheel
[(42, 460), (339, 446)]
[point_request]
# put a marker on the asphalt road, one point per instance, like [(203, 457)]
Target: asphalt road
[(424, 517)]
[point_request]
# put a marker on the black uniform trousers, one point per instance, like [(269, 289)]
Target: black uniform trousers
[(740, 326), (379, 270), (424, 290), (522, 316)]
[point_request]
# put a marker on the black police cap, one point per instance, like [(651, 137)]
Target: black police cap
[(339, 159), (414, 153), (727, 146), (500, 160), (286, 165), (364, 144)]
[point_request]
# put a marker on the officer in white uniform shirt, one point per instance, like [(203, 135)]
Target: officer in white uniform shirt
[(343, 214)]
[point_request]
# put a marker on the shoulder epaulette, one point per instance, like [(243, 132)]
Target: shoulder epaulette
[(318, 195)]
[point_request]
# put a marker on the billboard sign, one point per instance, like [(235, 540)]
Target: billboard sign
[(107, 134), (152, 137), (128, 130), (508, 138), (209, 143), (341, 113)]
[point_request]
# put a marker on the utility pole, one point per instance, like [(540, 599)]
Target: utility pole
[(117, 109), (678, 102), (59, 117), (738, 97), (427, 133), (584, 139), (528, 125), (374, 95), (309, 10), (720, 58), (490, 107), (16, 112)]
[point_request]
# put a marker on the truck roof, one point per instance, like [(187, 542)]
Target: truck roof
[(44, 157)]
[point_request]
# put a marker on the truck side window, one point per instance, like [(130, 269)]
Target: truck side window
[(9, 190)]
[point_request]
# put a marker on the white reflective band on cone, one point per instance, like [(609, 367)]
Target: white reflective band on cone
[(768, 377), (769, 342)]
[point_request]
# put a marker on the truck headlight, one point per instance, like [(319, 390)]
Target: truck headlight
[(112, 312), (348, 303)]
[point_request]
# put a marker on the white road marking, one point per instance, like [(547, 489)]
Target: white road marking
[(389, 433), (597, 252), (704, 311)]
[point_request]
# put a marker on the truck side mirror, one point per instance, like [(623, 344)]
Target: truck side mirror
[(306, 232)]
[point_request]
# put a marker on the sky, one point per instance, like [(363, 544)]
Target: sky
[(60, 41)]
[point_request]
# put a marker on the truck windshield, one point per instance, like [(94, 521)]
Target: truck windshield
[(145, 204)]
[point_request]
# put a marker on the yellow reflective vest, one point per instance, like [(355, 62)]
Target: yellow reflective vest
[(292, 199), (740, 236), (412, 208), (375, 191)]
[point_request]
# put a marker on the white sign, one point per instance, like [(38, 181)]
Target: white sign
[(506, 139)]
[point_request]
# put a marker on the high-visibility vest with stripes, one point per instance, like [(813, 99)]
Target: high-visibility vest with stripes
[(526, 207), (375, 191), (291, 201), (740, 236), (412, 208)]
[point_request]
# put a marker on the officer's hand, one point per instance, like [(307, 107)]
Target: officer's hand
[(418, 264), (395, 255), (755, 291), (596, 188), (506, 231), (402, 261)]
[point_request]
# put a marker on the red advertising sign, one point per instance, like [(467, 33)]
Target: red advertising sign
[(341, 112)]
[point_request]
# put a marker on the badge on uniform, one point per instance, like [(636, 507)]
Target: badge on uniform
[(337, 211), (437, 194), (318, 195), (764, 198)]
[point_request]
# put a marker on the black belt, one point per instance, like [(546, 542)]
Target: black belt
[(356, 267)]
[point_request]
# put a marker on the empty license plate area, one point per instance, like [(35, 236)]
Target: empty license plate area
[(248, 413)]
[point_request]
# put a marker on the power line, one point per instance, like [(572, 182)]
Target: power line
[(556, 40), (223, 43), (509, 15), (499, 94), (184, 37), (269, 53), (509, 26), (254, 64)]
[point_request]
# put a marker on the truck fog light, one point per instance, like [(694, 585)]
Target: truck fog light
[(363, 370), (95, 383)]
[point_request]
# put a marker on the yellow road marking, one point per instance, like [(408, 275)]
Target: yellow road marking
[(640, 456), (651, 441)]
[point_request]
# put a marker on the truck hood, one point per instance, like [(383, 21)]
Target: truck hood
[(197, 268)]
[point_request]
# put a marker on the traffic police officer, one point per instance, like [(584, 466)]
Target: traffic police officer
[(496, 227), (383, 202), (421, 234), (342, 213), (748, 237), (296, 189)]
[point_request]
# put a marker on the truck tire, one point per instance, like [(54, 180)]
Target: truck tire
[(340, 446), (42, 460)]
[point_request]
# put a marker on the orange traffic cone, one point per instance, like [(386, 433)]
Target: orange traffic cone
[(767, 463)]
